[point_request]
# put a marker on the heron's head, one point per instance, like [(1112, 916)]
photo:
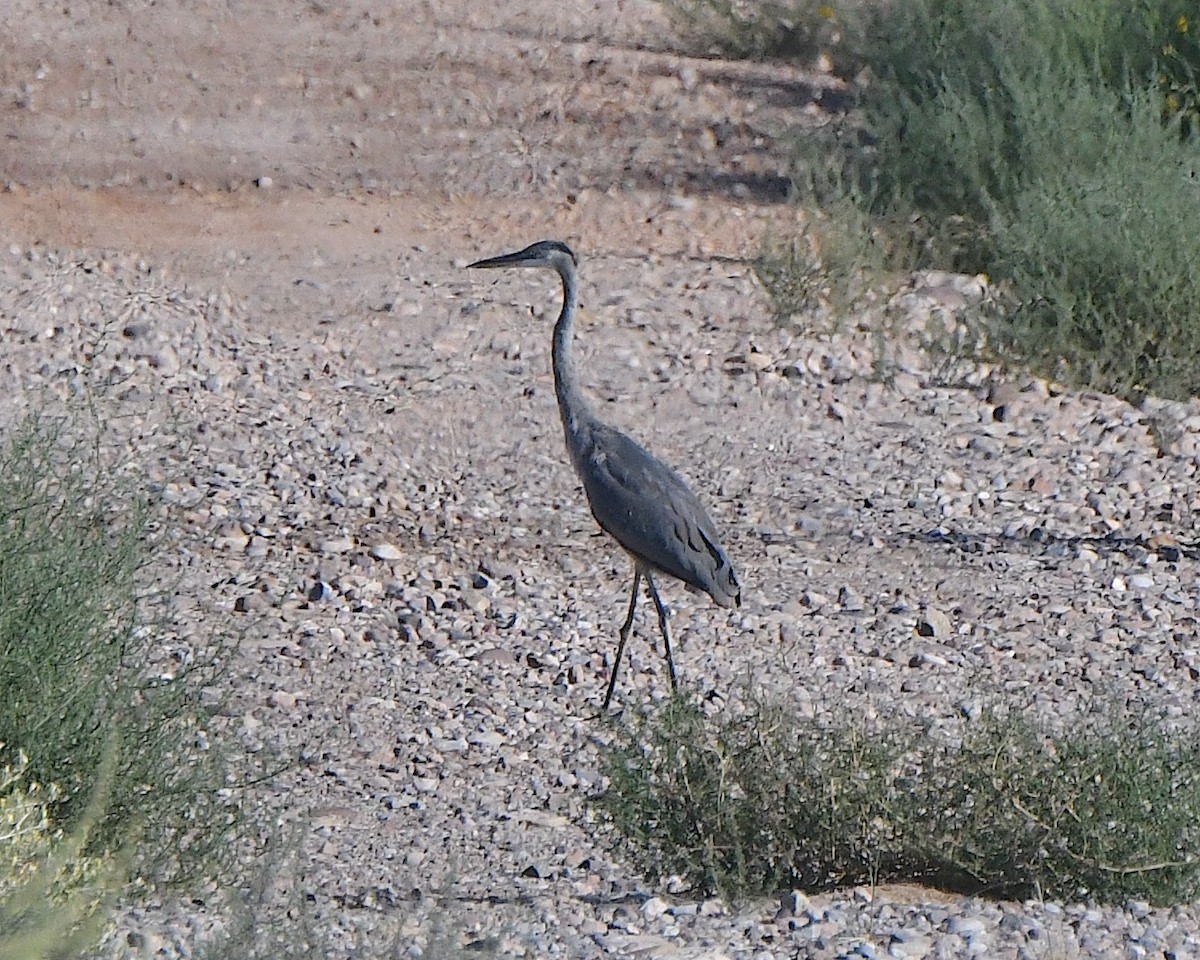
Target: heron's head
[(545, 253)]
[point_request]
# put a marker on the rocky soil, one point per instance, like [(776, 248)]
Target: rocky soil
[(250, 222)]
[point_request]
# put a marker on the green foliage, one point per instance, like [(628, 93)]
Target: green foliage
[(970, 106), (1179, 67), (1102, 251), (1026, 140), (1108, 809), (81, 669), (831, 263), (1050, 146), (52, 895), (67, 607), (988, 78)]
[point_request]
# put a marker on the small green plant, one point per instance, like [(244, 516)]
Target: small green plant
[(838, 256), (749, 804)]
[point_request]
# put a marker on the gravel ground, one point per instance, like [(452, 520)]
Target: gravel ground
[(259, 246)]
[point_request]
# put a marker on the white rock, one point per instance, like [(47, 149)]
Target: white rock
[(386, 551)]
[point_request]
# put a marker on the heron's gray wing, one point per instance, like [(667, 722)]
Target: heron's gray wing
[(649, 510)]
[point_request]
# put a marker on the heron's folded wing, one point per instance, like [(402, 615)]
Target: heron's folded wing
[(649, 510)]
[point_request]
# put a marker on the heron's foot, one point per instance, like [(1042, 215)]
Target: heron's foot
[(604, 713)]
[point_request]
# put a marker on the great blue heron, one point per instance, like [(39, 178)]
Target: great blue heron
[(641, 502)]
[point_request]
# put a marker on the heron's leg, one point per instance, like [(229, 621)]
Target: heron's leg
[(633, 597), (666, 630)]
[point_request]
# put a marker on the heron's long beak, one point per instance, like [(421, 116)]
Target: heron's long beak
[(518, 259)]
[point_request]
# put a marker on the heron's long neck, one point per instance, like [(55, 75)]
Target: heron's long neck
[(572, 406)]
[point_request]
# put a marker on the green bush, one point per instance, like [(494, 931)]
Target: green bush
[(81, 667), (1102, 251), (1027, 141), (1179, 70), (747, 805), (960, 93)]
